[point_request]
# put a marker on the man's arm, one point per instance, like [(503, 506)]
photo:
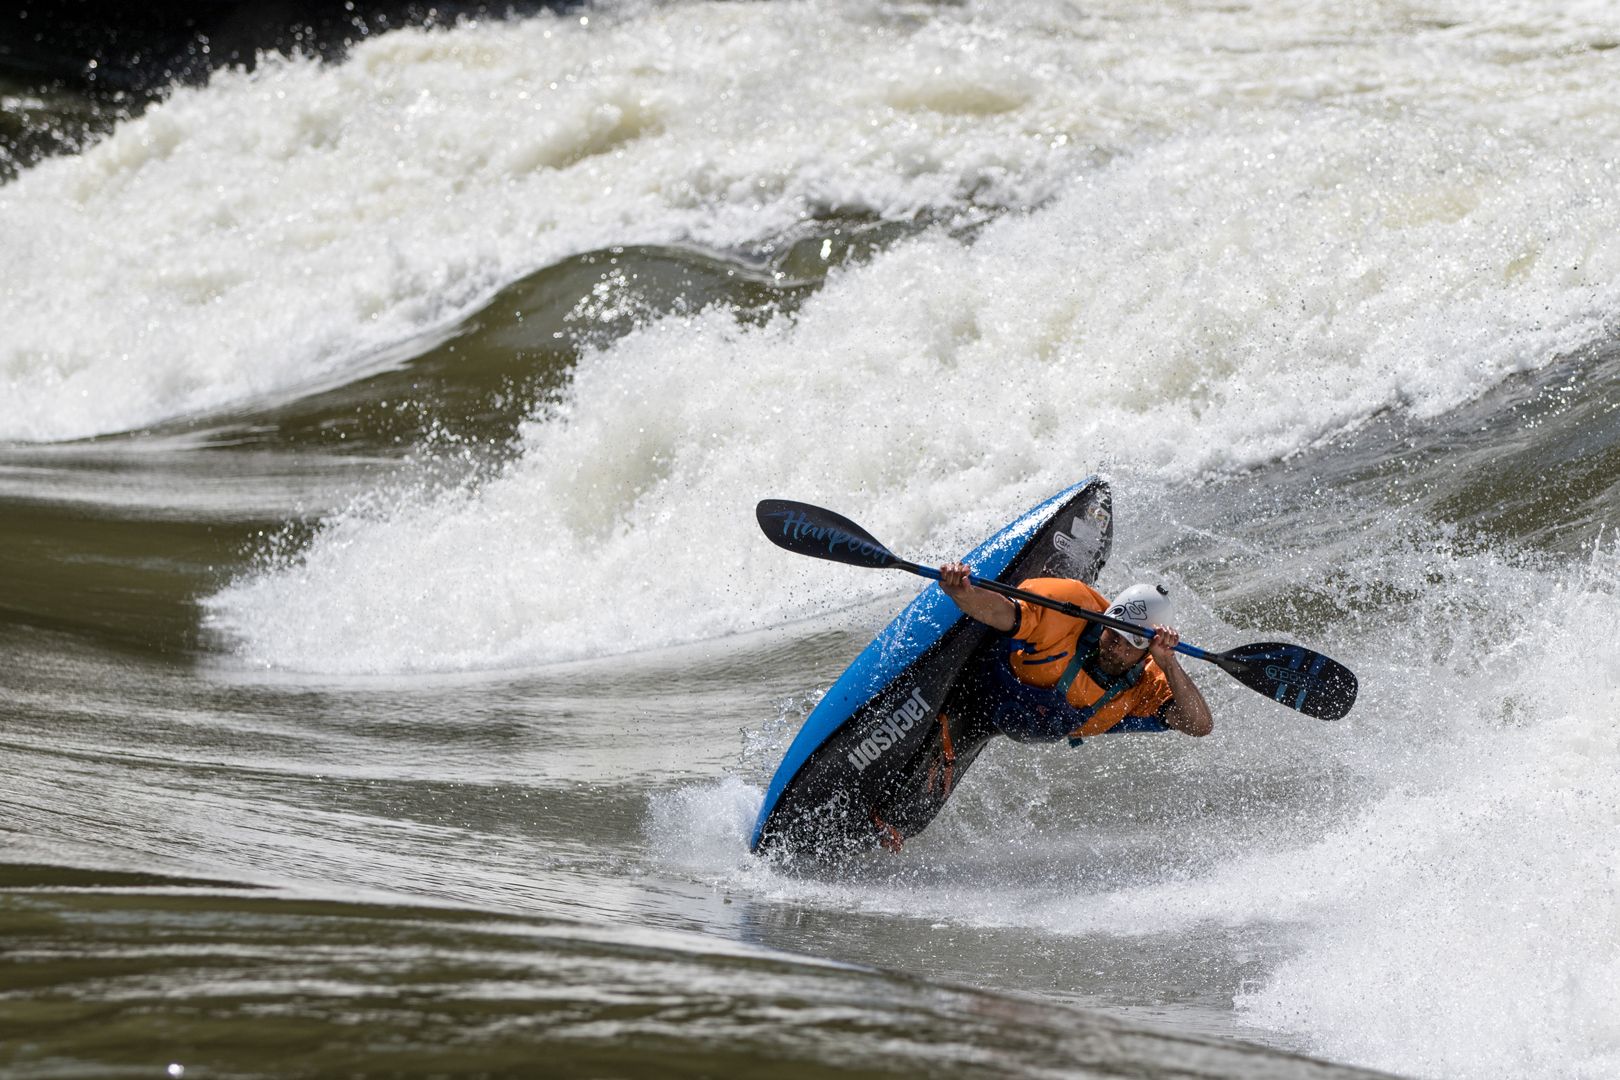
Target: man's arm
[(992, 609), (1187, 712)]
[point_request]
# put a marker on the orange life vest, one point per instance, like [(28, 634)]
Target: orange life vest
[(1051, 641)]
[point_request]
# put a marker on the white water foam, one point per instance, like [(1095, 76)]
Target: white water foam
[(1458, 922), (1157, 315), (705, 825), (276, 231), (1464, 925)]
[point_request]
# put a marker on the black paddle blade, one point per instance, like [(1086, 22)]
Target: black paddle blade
[(821, 534), (1295, 676)]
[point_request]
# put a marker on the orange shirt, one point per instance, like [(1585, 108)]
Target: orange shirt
[(1050, 639)]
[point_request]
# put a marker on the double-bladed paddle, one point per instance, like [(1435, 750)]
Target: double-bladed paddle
[(1303, 680)]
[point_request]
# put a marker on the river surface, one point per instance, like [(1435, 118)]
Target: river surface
[(391, 667)]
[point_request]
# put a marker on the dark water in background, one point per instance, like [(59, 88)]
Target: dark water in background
[(391, 674), (71, 69)]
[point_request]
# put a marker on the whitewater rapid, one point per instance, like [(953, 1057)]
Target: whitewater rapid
[(936, 390), (276, 231), (1446, 881), (292, 227), (1191, 246)]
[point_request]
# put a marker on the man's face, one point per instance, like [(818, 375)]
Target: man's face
[(1116, 653)]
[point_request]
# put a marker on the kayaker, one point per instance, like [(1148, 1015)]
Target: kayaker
[(1066, 677)]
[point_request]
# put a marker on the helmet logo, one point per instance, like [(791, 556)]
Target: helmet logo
[(1135, 610)]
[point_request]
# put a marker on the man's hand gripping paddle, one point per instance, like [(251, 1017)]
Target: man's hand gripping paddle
[(1297, 677)]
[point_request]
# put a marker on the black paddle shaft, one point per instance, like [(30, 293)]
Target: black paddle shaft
[(1297, 677)]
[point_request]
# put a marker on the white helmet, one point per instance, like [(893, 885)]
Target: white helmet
[(1144, 605)]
